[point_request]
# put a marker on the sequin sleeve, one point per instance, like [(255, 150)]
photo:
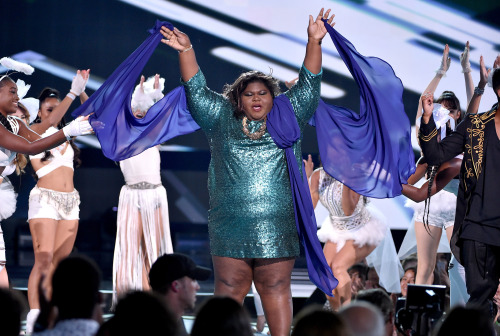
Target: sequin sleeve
[(305, 94), (205, 105)]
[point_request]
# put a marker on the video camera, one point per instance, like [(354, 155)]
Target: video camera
[(421, 309)]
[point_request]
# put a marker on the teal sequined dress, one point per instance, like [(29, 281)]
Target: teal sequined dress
[(251, 211)]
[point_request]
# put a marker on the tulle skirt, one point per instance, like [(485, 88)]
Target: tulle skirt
[(143, 234), (371, 233), (7, 208), (7, 199)]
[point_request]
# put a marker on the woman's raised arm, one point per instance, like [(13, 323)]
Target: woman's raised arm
[(315, 33), (431, 88), (77, 87), (187, 59)]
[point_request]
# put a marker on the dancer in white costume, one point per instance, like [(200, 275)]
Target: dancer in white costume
[(143, 228), (351, 233), (53, 212)]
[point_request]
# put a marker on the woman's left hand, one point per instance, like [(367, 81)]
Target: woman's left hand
[(316, 29), (309, 166)]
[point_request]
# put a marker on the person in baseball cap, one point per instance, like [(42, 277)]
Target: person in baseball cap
[(175, 277)]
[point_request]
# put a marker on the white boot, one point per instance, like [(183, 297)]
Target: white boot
[(31, 319)]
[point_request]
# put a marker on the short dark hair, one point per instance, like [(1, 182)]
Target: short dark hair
[(233, 91), (314, 321), (379, 298), (75, 287), (141, 313), (495, 80), (362, 270), (222, 316), (11, 308)]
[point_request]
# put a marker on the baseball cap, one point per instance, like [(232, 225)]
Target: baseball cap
[(170, 267)]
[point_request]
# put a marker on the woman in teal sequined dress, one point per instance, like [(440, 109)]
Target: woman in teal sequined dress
[(251, 220)]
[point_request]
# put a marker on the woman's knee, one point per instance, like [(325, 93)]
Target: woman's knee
[(340, 271), (43, 260)]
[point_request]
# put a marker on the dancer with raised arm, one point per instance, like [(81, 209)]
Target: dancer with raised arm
[(251, 217), (426, 233), (53, 211), (476, 231), (16, 137), (143, 228), (351, 232)]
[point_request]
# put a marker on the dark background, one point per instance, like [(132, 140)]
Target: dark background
[(100, 34)]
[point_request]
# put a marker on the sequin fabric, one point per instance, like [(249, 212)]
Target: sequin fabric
[(251, 211), (330, 195)]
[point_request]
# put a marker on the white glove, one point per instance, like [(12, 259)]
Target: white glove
[(78, 84), (445, 65), (77, 127), (445, 62), (464, 59)]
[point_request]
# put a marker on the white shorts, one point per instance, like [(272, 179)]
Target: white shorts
[(441, 211), (47, 203)]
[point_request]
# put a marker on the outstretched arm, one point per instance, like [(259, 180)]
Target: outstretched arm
[(315, 33), (431, 88), (187, 59), (19, 144), (445, 174)]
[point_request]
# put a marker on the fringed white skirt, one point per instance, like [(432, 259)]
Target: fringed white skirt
[(7, 208), (143, 234), (370, 233)]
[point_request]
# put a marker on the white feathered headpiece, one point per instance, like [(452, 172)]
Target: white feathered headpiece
[(32, 105), (143, 99), (17, 66)]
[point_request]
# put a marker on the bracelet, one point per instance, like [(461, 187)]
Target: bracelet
[(187, 49), (467, 69), (478, 91), (441, 72), (71, 95)]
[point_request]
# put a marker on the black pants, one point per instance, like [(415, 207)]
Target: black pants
[(482, 272)]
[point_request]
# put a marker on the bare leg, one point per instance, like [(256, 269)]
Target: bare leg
[(4, 278), (43, 233), (233, 277), (345, 258), (52, 241), (330, 251), (272, 279), (427, 245)]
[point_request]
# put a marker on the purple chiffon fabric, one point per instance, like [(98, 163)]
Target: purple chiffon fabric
[(284, 129), (120, 134), (370, 152)]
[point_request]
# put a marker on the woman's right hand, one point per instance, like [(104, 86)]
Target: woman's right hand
[(309, 166), (483, 73), (464, 59), (445, 61), (175, 39), (427, 105), (79, 82)]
